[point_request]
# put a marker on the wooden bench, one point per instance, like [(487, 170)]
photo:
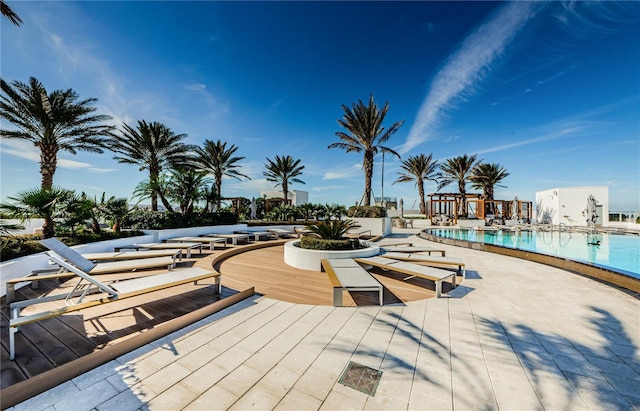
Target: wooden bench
[(347, 275), (434, 274)]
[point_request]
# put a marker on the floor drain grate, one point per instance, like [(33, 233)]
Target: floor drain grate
[(361, 378)]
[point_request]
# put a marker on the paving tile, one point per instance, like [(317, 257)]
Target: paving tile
[(316, 382), (337, 401), (88, 398), (48, 398), (613, 366), (240, 380), (97, 374), (165, 378), (214, 398), (279, 380), (598, 394), (256, 399), (175, 398), (124, 401), (204, 377), (422, 401), (296, 400)]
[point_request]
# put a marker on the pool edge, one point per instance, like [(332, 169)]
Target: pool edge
[(599, 273)]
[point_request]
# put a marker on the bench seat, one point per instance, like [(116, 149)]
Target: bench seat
[(347, 275)]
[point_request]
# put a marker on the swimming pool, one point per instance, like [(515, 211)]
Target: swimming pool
[(617, 252)]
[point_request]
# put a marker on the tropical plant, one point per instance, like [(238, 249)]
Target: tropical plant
[(217, 159), (458, 170), (334, 211), (283, 212), (332, 229), (486, 177), (38, 203), (153, 147), (6, 228), (115, 210), (53, 122), (283, 171), (78, 210), (365, 134), (306, 210), (9, 13), (187, 186), (418, 168), (146, 190)]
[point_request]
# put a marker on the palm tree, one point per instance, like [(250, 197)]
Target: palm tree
[(365, 134), (419, 168), (486, 176), (9, 14), (217, 159), (38, 203), (458, 170), (187, 185), (153, 147), (53, 122), (283, 171), (115, 210)]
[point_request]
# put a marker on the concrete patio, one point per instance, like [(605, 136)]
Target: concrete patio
[(515, 336)]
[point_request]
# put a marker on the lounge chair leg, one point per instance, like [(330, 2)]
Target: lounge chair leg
[(438, 289), (12, 343), (337, 297)]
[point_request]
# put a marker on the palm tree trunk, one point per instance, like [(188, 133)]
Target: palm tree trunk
[(285, 191), (368, 174), (48, 228), (218, 194), (48, 163), (421, 194), (463, 200)]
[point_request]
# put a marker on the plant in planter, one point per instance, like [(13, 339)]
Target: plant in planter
[(329, 235)]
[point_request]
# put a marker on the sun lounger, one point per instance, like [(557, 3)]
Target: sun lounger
[(281, 233), (402, 249), (347, 275), (233, 237), (90, 292), (175, 253), (212, 241), (162, 246), (428, 259), (434, 274), (73, 257), (357, 233), (257, 235)]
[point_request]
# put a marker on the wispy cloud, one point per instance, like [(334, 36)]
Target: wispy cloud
[(25, 150), (343, 172), (467, 67)]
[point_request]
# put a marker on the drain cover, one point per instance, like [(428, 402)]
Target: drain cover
[(361, 378)]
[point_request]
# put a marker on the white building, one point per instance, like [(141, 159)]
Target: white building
[(568, 205), (297, 197)]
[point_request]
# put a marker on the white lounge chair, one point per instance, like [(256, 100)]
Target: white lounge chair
[(92, 268), (212, 241), (434, 274), (428, 259), (174, 253), (411, 249), (281, 233), (162, 246), (347, 275), (89, 292)]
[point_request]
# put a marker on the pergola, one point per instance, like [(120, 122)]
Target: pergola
[(475, 206)]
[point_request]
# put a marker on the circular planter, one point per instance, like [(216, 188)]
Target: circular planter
[(305, 259)]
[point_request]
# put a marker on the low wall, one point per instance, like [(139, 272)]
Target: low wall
[(305, 259), (378, 226)]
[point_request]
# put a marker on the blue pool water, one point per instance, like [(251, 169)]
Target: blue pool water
[(613, 251)]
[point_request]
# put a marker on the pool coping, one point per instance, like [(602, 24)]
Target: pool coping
[(600, 273)]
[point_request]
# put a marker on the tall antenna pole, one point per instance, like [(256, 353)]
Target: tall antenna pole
[(382, 199)]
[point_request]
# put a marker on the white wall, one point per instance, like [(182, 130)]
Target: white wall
[(378, 226), (297, 197), (567, 205)]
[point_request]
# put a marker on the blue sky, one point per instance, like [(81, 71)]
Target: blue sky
[(549, 90)]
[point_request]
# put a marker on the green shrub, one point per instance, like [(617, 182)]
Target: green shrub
[(367, 212), (333, 229), (156, 220), (315, 243)]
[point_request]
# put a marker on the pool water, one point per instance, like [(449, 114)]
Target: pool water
[(616, 252)]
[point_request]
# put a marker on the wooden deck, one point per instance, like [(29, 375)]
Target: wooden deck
[(45, 345)]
